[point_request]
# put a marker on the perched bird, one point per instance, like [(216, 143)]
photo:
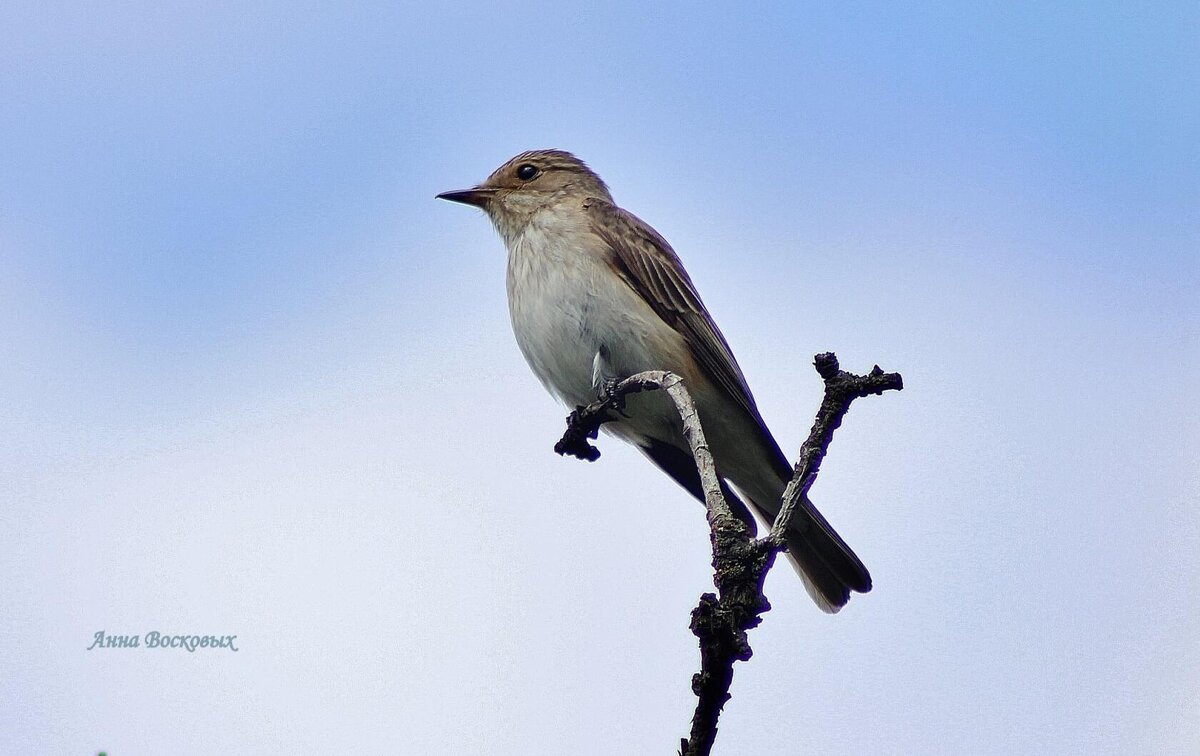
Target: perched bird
[(596, 295)]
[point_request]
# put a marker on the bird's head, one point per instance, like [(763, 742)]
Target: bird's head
[(528, 183)]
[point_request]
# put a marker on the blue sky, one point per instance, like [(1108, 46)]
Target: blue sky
[(250, 372)]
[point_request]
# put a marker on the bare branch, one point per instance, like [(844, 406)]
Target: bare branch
[(841, 388), (740, 562)]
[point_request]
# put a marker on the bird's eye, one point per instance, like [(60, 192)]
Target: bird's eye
[(527, 172)]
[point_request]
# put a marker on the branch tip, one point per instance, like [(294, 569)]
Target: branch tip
[(827, 365)]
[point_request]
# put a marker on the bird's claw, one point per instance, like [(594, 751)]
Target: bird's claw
[(609, 395)]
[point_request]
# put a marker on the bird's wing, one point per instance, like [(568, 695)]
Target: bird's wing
[(651, 268)]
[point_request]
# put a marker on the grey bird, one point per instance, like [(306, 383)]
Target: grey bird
[(596, 295)]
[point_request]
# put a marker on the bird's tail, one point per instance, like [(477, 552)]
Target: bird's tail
[(829, 569)]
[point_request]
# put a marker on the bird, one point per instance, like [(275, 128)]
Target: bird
[(595, 295)]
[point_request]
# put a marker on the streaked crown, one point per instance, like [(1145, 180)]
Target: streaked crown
[(550, 171)]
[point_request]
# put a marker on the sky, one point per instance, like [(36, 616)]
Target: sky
[(256, 381)]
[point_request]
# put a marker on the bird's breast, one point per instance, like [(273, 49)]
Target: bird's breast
[(567, 304)]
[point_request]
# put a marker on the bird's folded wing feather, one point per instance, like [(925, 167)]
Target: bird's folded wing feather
[(651, 268)]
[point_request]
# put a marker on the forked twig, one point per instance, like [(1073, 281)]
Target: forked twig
[(740, 562)]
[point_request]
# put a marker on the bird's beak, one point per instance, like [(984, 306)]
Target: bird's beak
[(479, 196)]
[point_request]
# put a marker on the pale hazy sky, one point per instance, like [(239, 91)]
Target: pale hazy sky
[(255, 380)]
